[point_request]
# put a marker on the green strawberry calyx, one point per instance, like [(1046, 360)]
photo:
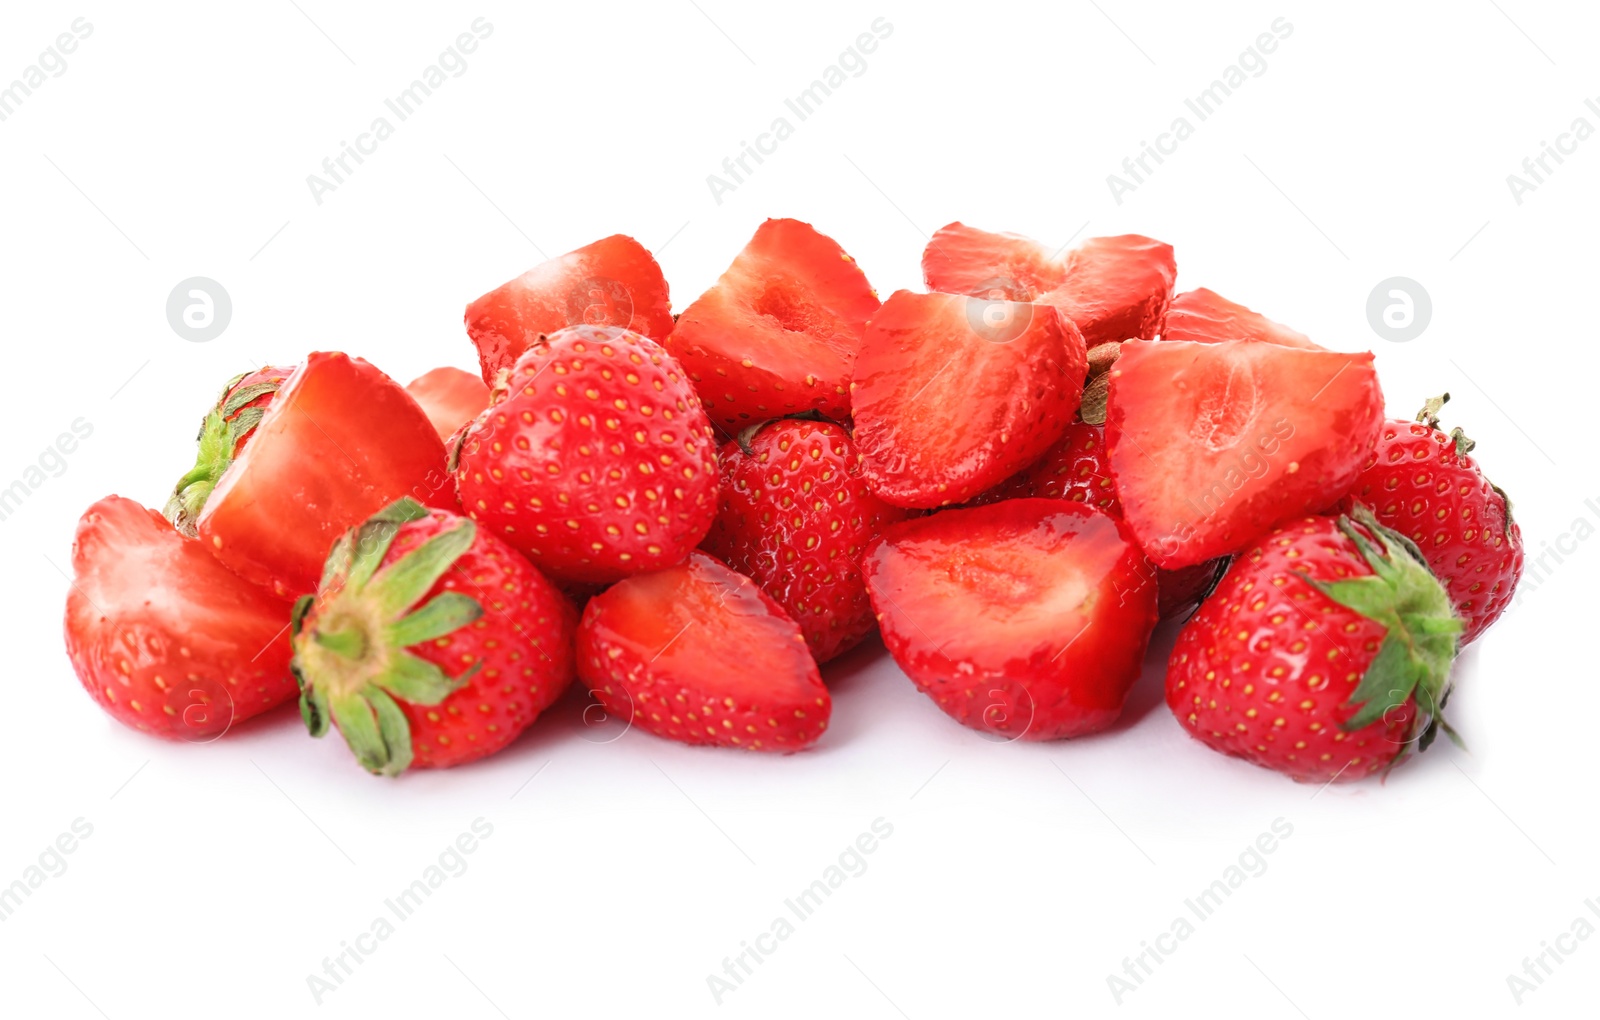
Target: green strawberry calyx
[(351, 640), (1423, 631), (226, 425)]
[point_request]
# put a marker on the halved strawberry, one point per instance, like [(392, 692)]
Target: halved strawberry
[(165, 638), (701, 654), (449, 397), (778, 332), (340, 441), (1112, 288), (953, 394), (1025, 619), (613, 282), (226, 428), (1213, 444), (1207, 317)]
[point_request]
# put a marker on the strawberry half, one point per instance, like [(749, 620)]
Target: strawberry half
[(430, 643), (795, 515), (222, 435), (1213, 444), (700, 654), (1111, 288), (1023, 619), (449, 397), (339, 441), (778, 332), (613, 282), (1324, 654), (165, 638), (1206, 317), (954, 394), (594, 458)]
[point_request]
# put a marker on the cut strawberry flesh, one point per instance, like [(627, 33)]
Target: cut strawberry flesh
[(340, 441), (613, 282), (1213, 444), (449, 397), (778, 332), (1206, 317), (953, 394)]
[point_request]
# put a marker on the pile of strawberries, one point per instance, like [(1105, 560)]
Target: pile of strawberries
[(1013, 477)]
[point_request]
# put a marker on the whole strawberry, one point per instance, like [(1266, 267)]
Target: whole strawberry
[(594, 457), (1324, 654), (222, 435), (1423, 483), (430, 642), (795, 516)]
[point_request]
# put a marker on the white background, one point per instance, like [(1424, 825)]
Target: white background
[(218, 877)]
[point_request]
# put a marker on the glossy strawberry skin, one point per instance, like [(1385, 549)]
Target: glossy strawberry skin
[(449, 397), (1204, 316), (1264, 670), (794, 514), (700, 654), (594, 459), (778, 333), (613, 282), (1024, 619), (1418, 484), (162, 636)]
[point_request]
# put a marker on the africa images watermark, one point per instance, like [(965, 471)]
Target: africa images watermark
[(51, 863), (1535, 169), (1536, 968), (52, 463), (851, 863), (852, 62), (52, 63), (452, 63), (1539, 567), (1252, 63)]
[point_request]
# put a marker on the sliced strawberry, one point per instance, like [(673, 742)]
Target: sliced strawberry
[(613, 282), (953, 394), (1024, 619), (224, 432), (340, 441), (778, 332), (1207, 317), (1112, 288), (449, 397), (1213, 444), (164, 637), (701, 654)]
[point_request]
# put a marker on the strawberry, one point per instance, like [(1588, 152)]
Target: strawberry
[(430, 642), (778, 332), (339, 441), (594, 458), (1207, 317), (1022, 619), (1111, 288), (1324, 653), (222, 435), (1424, 484), (449, 397), (953, 394), (700, 654), (1213, 444), (162, 636), (613, 282), (794, 515)]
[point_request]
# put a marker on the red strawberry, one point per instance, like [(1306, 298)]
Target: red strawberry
[(1207, 317), (430, 642), (613, 282), (339, 441), (1325, 653), (701, 654), (162, 636), (449, 397), (795, 515), (954, 394), (778, 332), (1111, 288), (1213, 444), (1024, 619), (1422, 483), (222, 435), (594, 457)]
